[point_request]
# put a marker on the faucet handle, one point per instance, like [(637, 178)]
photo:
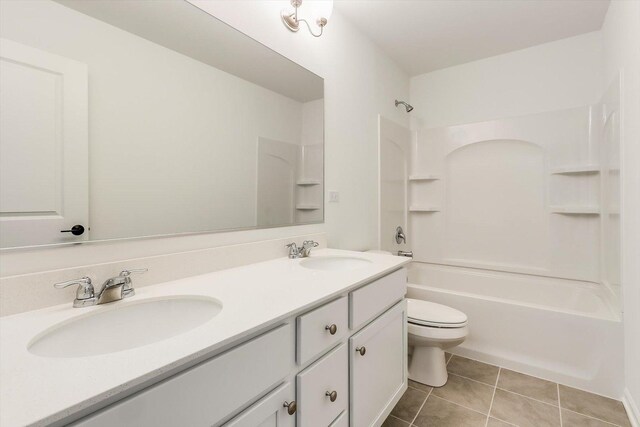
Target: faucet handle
[(85, 287), (310, 244), (127, 273)]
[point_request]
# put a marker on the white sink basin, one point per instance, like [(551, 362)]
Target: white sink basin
[(334, 263), (114, 327)]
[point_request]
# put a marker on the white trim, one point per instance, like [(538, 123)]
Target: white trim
[(633, 412)]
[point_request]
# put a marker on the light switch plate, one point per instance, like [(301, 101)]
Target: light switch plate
[(334, 197)]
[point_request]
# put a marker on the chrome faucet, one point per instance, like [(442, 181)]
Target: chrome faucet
[(113, 289), (400, 237), (302, 251)]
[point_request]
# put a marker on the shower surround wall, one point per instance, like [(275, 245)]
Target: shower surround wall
[(514, 177)]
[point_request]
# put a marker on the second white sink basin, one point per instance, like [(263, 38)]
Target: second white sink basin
[(334, 263), (115, 327)]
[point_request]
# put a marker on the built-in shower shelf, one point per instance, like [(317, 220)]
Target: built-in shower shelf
[(307, 182), (308, 207), (575, 170), (417, 208), (423, 177), (576, 210)]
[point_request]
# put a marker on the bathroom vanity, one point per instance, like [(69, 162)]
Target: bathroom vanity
[(292, 343)]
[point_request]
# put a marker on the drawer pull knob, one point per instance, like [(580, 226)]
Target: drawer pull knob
[(291, 407), (362, 350), (331, 328), (333, 395)]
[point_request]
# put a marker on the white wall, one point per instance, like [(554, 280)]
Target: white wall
[(360, 83), (552, 76), (621, 45)]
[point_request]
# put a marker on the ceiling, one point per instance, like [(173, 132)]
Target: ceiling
[(426, 35)]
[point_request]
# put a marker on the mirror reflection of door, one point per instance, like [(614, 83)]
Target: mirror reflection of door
[(277, 169), (43, 147)]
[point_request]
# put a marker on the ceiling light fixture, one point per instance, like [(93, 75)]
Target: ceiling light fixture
[(320, 10)]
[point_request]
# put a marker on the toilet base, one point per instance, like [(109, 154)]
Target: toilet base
[(428, 366)]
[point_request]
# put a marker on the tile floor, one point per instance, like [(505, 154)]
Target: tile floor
[(478, 394)]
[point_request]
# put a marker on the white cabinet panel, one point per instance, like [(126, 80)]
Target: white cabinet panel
[(210, 391), (315, 386), (378, 366), (341, 421), (314, 331), (372, 299), (269, 411)]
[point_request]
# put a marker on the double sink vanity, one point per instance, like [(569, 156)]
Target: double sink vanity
[(317, 341)]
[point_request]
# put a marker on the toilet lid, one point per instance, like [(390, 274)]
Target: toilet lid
[(437, 315)]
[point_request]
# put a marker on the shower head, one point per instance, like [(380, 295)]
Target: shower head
[(408, 107)]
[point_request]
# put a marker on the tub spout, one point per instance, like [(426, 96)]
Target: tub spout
[(406, 253)]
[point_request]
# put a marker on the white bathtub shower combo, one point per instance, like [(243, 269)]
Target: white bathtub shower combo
[(513, 223)]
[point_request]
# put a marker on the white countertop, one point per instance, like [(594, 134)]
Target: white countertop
[(36, 390)]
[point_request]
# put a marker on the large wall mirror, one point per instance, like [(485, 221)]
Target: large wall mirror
[(133, 118)]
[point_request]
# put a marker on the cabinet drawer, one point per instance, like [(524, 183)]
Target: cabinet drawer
[(341, 421), (207, 393), (372, 299), (314, 329), (383, 343), (269, 411), (327, 375)]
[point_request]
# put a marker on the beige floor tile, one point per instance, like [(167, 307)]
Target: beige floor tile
[(595, 406), (440, 413), (523, 411), (447, 356), (529, 386), (465, 392), (419, 386), (409, 404), (571, 419), (497, 423), (392, 421), (473, 369)]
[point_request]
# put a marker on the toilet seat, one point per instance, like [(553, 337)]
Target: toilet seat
[(430, 314)]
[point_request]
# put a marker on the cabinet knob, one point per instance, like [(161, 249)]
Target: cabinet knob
[(362, 350), (333, 395), (291, 407), (331, 328)]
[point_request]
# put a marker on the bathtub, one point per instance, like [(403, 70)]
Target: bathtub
[(565, 331)]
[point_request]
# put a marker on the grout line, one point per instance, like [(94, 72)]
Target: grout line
[(530, 398), (471, 379), (399, 419), (457, 404), (559, 407), (493, 397), (421, 406), (506, 422), (590, 417)]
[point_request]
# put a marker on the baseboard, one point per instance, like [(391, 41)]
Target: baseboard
[(631, 406)]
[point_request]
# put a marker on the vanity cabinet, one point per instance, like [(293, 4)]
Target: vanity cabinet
[(343, 363), (378, 362), (323, 389), (271, 411), (208, 392)]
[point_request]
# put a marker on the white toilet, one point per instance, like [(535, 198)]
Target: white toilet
[(433, 328)]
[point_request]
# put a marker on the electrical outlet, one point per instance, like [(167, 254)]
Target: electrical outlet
[(334, 197)]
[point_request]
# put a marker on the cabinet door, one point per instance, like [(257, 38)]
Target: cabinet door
[(323, 389), (271, 411), (378, 362)]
